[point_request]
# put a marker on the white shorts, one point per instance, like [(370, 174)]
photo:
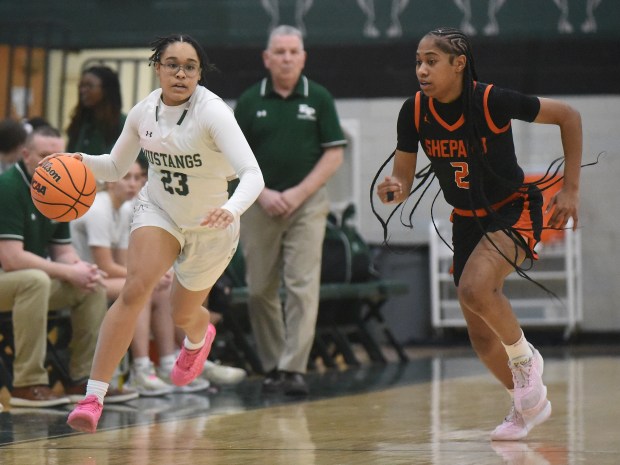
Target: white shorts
[(205, 253)]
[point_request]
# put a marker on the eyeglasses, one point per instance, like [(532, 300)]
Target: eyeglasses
[(172, 69)]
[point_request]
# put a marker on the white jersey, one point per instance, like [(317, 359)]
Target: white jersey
[(102, 226), (192, 149)]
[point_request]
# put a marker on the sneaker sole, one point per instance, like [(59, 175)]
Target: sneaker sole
[(187, 389), (75, 398), (82, 424), (542, 416), (224, 381), (145, 392), (159, 393), (17, 402), (121, 398)]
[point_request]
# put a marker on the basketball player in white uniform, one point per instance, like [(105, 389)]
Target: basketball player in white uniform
[(183, 217)]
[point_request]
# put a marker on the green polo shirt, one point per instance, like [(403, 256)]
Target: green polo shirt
[(19, 218), (288, 135)]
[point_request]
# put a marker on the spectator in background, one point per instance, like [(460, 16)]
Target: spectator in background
[(97, 120), (12, 137), (35, 122), (40, 271), (293, 129)]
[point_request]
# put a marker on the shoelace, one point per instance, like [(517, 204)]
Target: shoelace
[(91, 405), (521, 373), (513, 416)]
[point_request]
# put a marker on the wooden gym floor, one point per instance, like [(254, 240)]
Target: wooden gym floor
[(436, 409)]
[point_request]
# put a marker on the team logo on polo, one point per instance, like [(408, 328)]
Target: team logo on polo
[(306, 112)]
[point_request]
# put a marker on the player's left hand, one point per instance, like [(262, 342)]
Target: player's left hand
[(563, 205), (217, 218), (75, 155)]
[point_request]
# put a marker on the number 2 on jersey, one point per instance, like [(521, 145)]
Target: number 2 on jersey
[(460, 173), (181, 187)]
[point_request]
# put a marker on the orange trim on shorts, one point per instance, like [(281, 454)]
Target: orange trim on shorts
[(523, 226), (482, 212)]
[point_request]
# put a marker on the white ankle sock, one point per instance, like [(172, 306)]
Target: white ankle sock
[(519, 350), (167, 362), (141, 363), (97, 388), (191, 346)]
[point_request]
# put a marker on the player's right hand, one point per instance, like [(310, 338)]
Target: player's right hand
[(390, 191)]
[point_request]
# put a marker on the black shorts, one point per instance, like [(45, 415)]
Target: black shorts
[(522, 219)]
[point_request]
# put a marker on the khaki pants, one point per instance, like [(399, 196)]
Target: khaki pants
[(29, 294), (284, 251)]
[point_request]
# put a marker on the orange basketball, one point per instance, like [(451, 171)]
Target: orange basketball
[(63, 188)]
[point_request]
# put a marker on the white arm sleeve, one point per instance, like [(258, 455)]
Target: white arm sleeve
[(113, 166), (229, 138)]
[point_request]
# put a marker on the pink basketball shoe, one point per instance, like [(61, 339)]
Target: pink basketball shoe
[(530, 405), (530, 393), (516, 427), (190, 363), (85, 415)]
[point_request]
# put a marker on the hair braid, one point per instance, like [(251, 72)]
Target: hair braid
[(455, 43)]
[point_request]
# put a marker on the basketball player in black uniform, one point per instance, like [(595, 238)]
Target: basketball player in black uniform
[(464, 127)]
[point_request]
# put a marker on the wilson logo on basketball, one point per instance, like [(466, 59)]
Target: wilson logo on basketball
[(47, 166)]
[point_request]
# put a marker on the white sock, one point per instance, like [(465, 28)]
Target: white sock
[(97, 388), (166, 363), (189, 345), (141, 363), (519, 350)]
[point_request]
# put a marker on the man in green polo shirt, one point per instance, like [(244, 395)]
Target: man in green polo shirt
[(293, 128), (40, 271)]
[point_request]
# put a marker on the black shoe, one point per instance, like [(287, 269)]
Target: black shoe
[(273, 381), (294, 384)]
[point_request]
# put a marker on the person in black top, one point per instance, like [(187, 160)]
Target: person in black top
[(97, 119), (464, 127)]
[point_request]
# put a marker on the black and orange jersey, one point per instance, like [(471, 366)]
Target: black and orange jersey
[(441, 131)]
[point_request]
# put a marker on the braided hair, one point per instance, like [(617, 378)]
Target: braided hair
[(455, 43), (160, 44)]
